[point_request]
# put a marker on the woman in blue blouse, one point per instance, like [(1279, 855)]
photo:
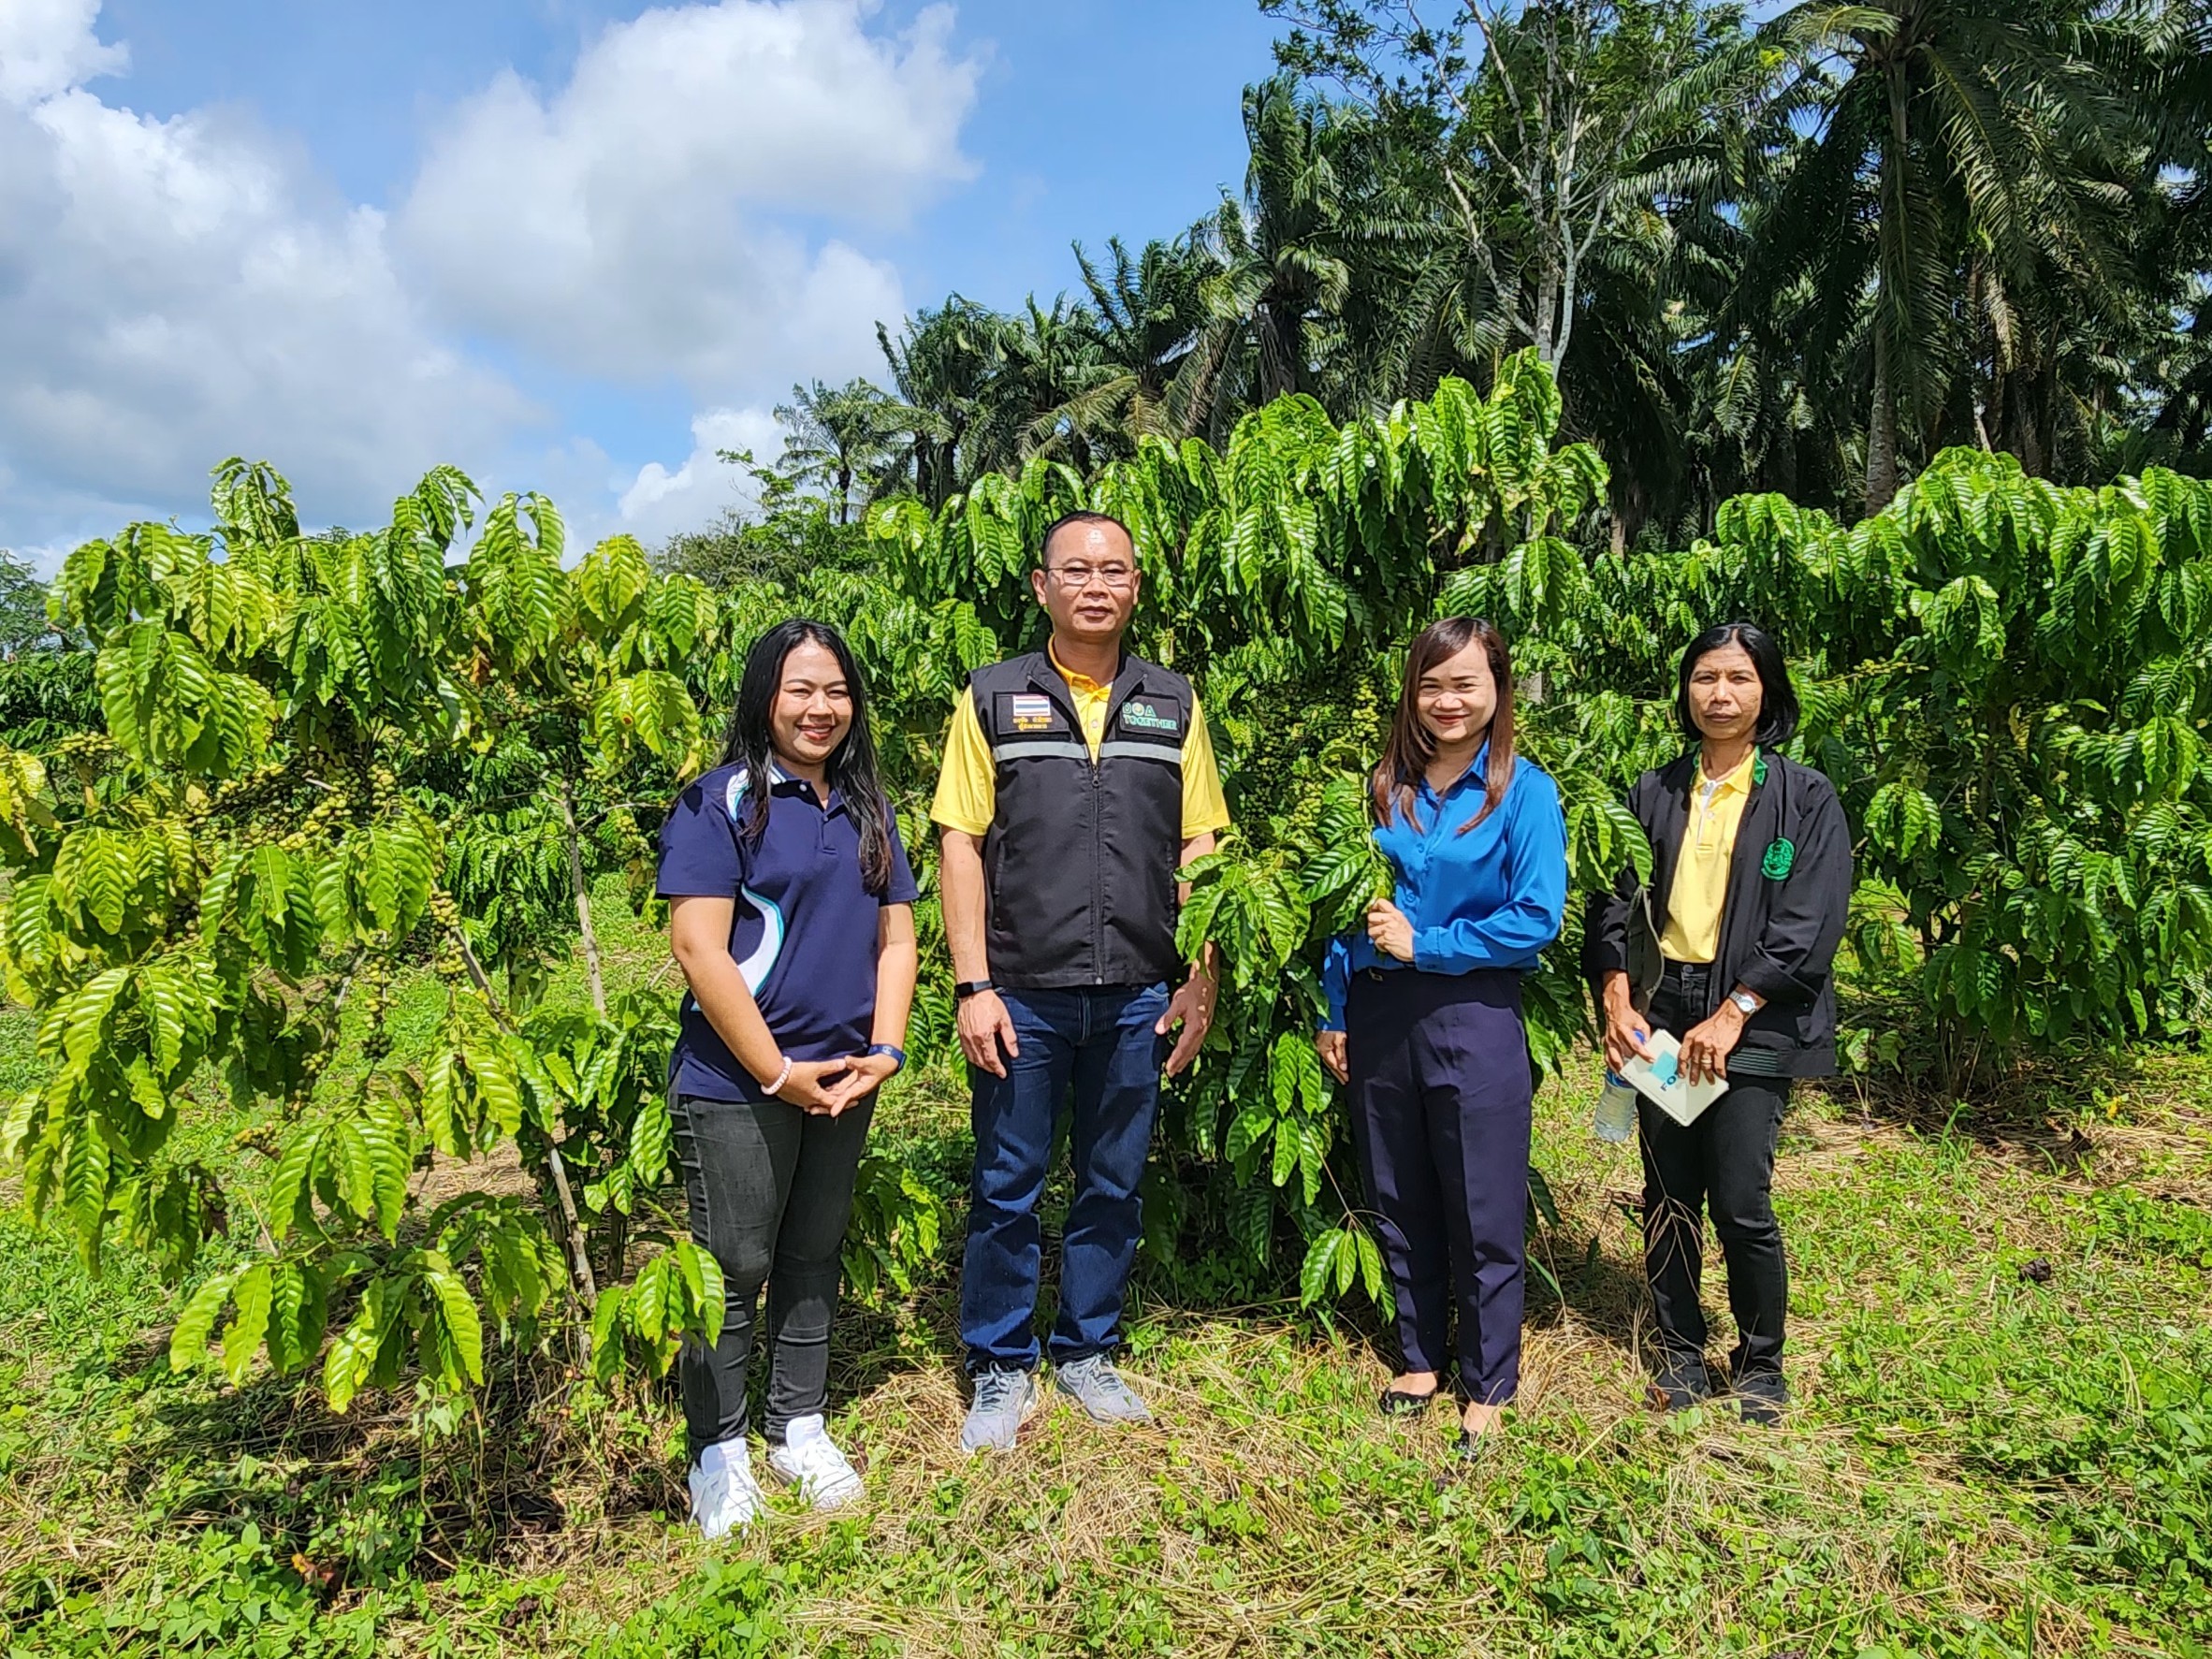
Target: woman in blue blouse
[(1424, 1013)]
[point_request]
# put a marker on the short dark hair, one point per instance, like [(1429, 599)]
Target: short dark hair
[(1082, 516), (1778, 698)]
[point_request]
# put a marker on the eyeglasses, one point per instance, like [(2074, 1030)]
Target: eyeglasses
[(1079, 576)]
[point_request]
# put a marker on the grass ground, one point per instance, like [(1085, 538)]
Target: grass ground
[(2004, 1447)]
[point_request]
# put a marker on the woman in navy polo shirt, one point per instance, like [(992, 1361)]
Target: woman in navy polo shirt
[(1424, 1013), (792, 914)]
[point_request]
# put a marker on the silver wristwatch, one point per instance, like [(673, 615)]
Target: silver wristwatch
[(1746, 1004)]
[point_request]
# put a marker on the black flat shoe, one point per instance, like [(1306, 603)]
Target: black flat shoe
[(1679, 1384), (1470, 1446), (1396, 1403), (1762, 1397)]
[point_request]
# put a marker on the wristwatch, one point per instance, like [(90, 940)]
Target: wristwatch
[(967, 988), (1746, 1004)]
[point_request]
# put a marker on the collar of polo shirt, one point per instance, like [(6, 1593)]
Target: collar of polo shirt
[(1082, 684), (780, 780)]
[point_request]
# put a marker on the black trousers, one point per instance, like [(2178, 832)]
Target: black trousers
[(770, 1190), (1441, 1100), (1722, 1164)]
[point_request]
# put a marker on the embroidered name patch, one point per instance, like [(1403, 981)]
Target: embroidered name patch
[(1144, 717), (1031, 713)]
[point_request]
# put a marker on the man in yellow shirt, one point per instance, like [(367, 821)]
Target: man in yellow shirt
[(1077, 781), (968, 788)]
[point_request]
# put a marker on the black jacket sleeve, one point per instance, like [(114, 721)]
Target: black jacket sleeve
[(1606, 915), (1806, 918)]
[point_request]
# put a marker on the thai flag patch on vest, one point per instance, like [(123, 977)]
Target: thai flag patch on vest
[(1031, 713)]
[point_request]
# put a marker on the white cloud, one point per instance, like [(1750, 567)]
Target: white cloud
[(658, 502), (697, 200), (48, 46), (637, 223), (176, 291)]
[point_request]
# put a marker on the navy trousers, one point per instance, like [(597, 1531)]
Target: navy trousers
[(1100, 1042), (1441, 1102)]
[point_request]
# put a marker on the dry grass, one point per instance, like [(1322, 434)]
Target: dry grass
[(1272, 1511)]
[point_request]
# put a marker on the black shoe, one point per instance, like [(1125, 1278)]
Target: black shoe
[(1680, 1383), (1762, 1396), (1396, 1403)]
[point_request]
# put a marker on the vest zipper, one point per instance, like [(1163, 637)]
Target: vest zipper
[(1098, 873)]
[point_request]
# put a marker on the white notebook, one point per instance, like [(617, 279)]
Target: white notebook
[(1663, 1083)]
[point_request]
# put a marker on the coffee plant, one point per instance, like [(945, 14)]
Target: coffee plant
[(2007, 680), (1284, 576), (323, 761)]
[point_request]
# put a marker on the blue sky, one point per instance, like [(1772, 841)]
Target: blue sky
[(564, 243)]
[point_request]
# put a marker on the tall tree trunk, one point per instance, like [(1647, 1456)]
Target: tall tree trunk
[(1882, 479), (1550, 347), (1779, 465), (2039, 432), (1881, 470)]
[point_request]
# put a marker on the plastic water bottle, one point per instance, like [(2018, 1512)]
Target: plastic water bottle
[(1615, 1117)]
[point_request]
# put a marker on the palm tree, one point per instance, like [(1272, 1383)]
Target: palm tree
[(1148, 312), (836, 437), (1281, 264), (943, 364), (1051, 391), (1961, 166)]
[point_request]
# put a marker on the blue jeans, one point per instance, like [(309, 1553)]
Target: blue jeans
[(1101, 1041)]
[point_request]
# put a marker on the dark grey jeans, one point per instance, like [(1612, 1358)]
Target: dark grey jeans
[(770, 1190)]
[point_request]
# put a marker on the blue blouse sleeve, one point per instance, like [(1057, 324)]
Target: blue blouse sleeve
[(1536, 887), (1336, 980)]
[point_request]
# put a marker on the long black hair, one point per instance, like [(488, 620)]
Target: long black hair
[(851, 769), (1778, 698)]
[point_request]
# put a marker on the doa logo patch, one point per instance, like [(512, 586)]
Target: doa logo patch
[(1144, 716)]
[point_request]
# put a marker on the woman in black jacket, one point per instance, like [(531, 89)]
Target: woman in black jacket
[(1729, 949)]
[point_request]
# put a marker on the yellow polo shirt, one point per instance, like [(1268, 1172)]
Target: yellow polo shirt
[(1700, 887), (967, 789)]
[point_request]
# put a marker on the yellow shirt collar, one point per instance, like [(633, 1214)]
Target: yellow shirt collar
[(1737, 781), (1082, 684)]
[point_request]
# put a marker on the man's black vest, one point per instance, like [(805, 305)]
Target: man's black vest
[(1081, 858)]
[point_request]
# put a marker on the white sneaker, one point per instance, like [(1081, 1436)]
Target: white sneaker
[(810, 1461), (724, 1495)]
